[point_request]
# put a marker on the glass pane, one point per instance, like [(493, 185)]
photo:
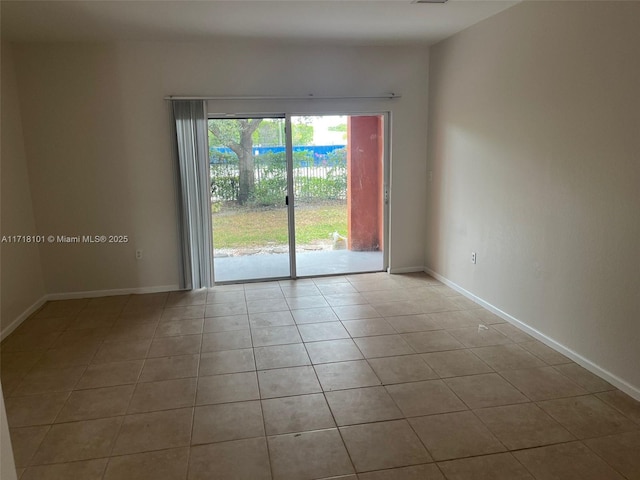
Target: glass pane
[(248, 198), (338, 175)]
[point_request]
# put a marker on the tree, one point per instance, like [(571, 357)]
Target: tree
[(238, 136)]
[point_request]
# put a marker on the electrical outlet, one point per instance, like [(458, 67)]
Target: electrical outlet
[(138, 254), (473, 257)]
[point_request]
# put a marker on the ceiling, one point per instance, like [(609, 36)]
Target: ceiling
[(336, 21)]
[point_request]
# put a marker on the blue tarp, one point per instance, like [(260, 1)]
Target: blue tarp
[(319, 151)]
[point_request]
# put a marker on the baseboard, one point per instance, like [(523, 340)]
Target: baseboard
[(22, 317), (594, 368), (109, 293), (86, 294), (406, 270)]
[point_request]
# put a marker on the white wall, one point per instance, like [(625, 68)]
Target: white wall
[(533, 142), (21, 275), (98, 144), (7, 463)]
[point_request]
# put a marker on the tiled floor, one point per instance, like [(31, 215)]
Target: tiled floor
[(365, 377)]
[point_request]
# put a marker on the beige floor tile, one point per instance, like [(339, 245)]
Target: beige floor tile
[(296, 414), (542, 383), (145, 432), (67, 357), (463, 302), (383, 346), (226, 309), (501, 466), (402, 369), (40, 326), (342, 299), (25, 442), (163, 395), (433, 341), (314, 315), (456, 363), (227, 421), (308, 455), (93, 321), (121, 351), (284, 382), (417, 472), (271, 319), (236, 460), (164, 464), (110, 374), (620, 451), (226, 361), (316, 332), (131, 332), (225, 297), (368, 327), (215, 342), (190, 297), (226, 324), (333, 351), (85, 470), (453, 320), (172, 346), (96, 403), (34, 409), (12, 362), (139, 316), (167, 368), (397, 308), (268, 336), (355, 312), (267, 305), (281, 356), (587, 416), (425, 398), (268, 293), (312, 301), (455, 435), (412, 323), (486, 390), (546, 354), (375, 446), (567, 461), (68, 442), (181, 313), (623, 403), (487, 317), (49, 380), (513, 333), (192, 326), (234, 387), (337, 288), (343, 375), (362, 405), (479, 337), (523, 426), (584, 378), (507, 357), (33, 341)]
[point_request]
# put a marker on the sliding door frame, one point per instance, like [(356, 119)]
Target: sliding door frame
[(290, 200)]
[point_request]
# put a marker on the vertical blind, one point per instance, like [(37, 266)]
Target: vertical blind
[(194, 209)]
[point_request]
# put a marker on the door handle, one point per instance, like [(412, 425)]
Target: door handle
[(286, 200)]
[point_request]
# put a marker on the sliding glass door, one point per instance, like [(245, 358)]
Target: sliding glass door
[(338, 177), (249, 212), (301, 201)]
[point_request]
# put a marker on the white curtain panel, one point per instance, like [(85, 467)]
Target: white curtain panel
[(194, 200)]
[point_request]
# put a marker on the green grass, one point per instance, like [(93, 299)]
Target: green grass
[(242, 228)]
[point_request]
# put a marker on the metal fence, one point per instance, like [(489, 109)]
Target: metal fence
[(315, 176)]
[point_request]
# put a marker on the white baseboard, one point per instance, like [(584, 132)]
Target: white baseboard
[(22, 317), (109, 293), (406, 270), (594, 368), (73, 295)]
